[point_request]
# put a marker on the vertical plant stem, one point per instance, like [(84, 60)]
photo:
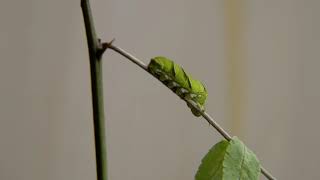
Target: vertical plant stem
[(97, 92)]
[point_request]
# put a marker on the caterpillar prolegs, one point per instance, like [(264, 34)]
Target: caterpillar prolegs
[(181, 83)]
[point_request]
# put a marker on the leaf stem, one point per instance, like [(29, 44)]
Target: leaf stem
[(97, 92), (204, 114)]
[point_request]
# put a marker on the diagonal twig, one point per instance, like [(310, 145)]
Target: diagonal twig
[(204, 114)]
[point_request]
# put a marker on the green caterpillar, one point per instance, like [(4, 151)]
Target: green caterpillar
[(181, 83)]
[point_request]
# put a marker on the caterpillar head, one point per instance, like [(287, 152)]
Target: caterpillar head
[(160, 64)]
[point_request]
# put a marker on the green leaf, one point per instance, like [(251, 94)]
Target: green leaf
[(229, 161)]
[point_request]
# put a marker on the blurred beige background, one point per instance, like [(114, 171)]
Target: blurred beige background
[(259, 60)]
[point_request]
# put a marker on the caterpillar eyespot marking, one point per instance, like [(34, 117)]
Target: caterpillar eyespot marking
[(181, 83)]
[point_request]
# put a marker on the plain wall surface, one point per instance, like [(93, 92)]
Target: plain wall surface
[(46, 129)]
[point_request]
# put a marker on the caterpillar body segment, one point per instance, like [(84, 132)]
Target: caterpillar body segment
[(181, 83)]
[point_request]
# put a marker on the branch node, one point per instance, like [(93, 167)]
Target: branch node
[(102, 47)]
